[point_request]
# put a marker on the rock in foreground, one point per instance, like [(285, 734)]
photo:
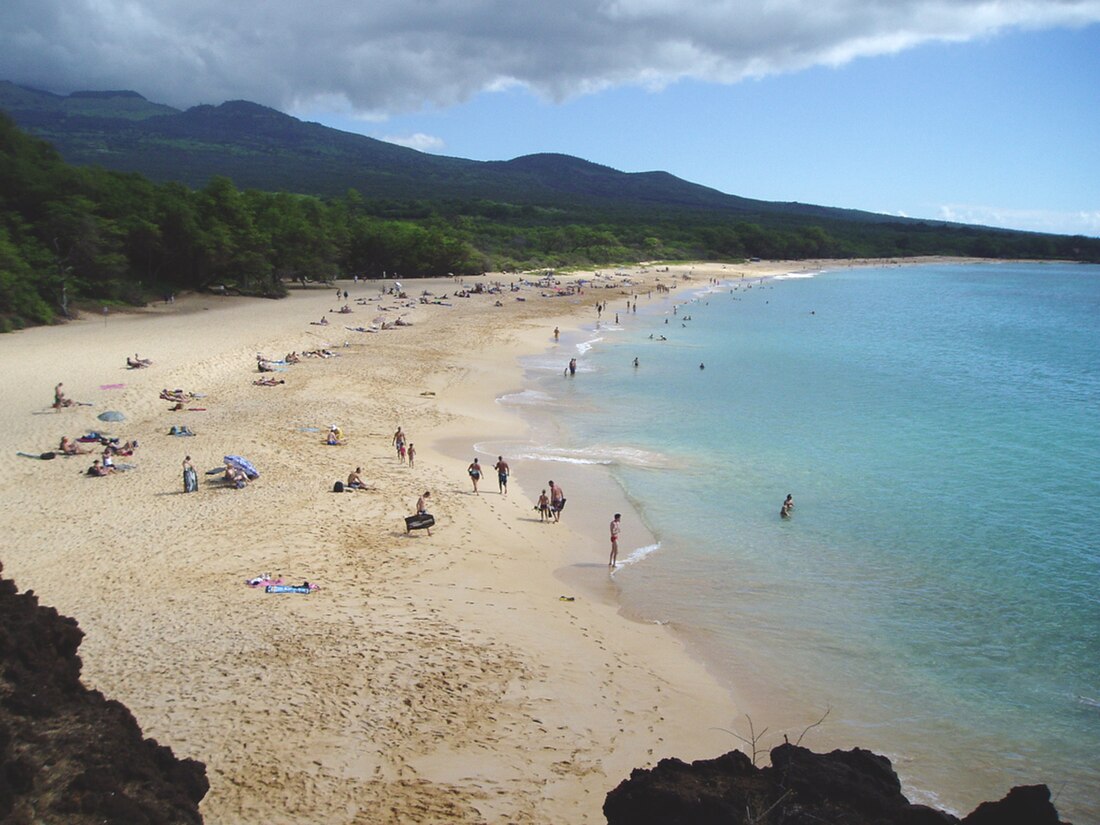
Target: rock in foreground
[(67, 754), (800, 787)]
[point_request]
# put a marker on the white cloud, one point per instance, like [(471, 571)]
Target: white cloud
[(1082, 222), (418, 141), (384, 57)]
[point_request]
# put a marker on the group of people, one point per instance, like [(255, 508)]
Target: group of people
[(105, 465), (503, 471), (550, 506), (406, 451), (61, 400)]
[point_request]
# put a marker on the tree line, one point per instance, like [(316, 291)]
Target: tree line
[(80, 237)]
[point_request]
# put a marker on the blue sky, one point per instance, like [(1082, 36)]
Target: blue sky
[(980, 111), (1002, 131)]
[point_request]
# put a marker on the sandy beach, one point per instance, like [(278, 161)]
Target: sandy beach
[(430, 678)]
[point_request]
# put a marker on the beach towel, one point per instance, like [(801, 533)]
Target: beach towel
[(291, 588)]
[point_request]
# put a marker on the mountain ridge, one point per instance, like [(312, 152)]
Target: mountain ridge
[(259, 147)]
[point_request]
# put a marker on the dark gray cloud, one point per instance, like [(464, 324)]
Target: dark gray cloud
[(381, 57)]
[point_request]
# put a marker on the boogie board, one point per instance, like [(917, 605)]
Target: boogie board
[(419, 522)]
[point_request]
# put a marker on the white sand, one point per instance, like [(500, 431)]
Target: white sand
[(431, 678)]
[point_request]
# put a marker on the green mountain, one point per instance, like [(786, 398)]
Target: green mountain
[(106, 198), (261, 148)]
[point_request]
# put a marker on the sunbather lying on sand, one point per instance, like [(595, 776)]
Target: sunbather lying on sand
[(176, 395), (268, 382), (137, 362), (70, 447), (117, 449)]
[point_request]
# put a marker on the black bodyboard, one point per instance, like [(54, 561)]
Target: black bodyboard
[(420, 521)]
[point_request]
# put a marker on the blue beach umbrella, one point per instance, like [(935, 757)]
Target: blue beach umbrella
[(242, 464)]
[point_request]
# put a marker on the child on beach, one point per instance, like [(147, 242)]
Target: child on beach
[(543, 507)]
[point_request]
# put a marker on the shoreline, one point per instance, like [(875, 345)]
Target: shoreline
[(750, 693), (431, 677)]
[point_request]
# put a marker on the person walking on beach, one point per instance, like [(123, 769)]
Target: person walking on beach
[(557, 333), (616, 528), (421, 510), (502, 474), (399, 443), (543, 507), (475, 474), (557, 500), (572, 366), (412, 454)]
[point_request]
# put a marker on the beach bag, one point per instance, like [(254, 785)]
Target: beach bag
[(338, 487)]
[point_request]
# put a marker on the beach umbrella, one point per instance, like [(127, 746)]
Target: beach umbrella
[(111, 415), (242, 464)]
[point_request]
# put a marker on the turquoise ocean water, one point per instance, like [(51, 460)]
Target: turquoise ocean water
[(938, 588)]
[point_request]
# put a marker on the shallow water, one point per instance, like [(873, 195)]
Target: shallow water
[(937, 588)]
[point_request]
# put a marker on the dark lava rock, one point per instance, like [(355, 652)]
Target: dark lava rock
[(800, 787), (1024, 805), (67, 754)]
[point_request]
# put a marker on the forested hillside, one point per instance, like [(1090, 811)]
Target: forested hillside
[(82, 236)]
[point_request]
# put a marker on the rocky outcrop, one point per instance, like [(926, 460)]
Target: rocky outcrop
[(67, 754), (800, 787)]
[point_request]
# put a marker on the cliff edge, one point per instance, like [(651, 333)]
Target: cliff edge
[(68, 754)]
